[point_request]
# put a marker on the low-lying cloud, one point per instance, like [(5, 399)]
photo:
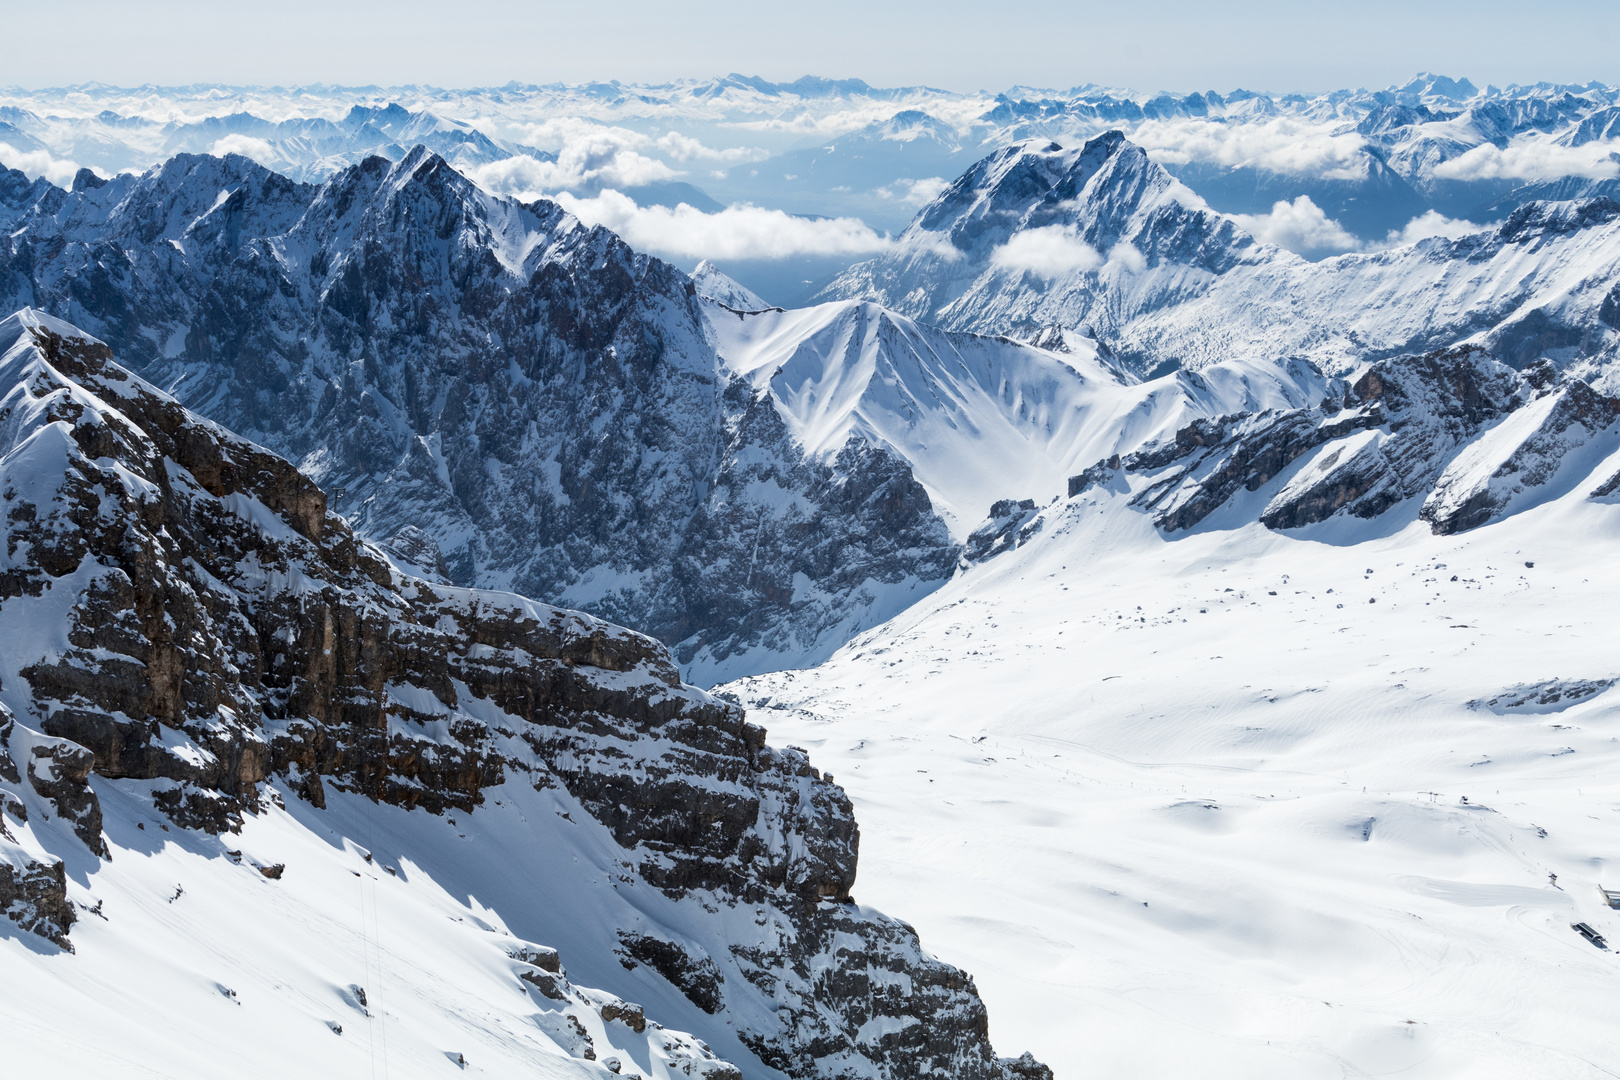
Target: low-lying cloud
[(37, 163), (591, 155), (737, 232), (1052, 251), (1533, 160), (1299, 226), (685, 148), (582, 166), (247, 146), (914, 192), (1285, 145), (1305, 229), (1430, 224)]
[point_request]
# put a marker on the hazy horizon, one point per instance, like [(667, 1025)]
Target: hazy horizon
[(1178, 46)]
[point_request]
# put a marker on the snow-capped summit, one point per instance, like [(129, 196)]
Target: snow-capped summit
[(713, 283), (1100, 225), (1102, 240)]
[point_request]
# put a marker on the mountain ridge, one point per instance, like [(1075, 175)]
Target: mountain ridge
[(188, 624)]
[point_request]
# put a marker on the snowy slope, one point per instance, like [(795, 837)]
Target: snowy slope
[(245, 763), (977, 418), (1246, 804)]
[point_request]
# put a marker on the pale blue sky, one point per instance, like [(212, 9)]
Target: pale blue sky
[(1172, 44)]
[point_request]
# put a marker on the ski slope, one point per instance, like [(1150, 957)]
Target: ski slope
[(1220, 807)]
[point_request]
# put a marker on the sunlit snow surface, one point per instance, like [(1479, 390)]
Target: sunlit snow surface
[(197, 959), (1185, 812)]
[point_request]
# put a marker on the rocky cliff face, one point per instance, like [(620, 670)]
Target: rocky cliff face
[(187, 623), (534, 397)]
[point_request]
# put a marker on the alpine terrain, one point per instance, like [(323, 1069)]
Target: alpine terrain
[(373, 793), (1181, 522)]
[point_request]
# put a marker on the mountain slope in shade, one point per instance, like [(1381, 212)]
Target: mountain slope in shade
[(224, 714), (538, 399), (1102, 239)]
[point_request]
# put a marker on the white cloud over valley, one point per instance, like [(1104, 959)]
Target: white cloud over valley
[(1534, 160), (737, 232), (36, 163), (1299, 226), (1051, 251), (1285, 145)]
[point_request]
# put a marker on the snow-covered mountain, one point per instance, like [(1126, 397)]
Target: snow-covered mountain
[(975, 418), (254, 780), (1356, 166), (991, 499), (1100, 238), (544, 403)]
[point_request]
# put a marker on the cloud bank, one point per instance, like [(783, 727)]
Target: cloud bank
[(1299, 226), (1285, 145), (1051, 251), (37, 163), (737, 232), (1538, 160)]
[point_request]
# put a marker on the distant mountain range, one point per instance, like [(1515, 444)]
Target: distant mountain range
[(1369, 162)]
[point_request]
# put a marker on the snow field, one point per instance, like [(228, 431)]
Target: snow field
[(194, 961), (1219, 806)]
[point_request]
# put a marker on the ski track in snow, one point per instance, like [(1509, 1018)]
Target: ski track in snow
[(1219, 807)]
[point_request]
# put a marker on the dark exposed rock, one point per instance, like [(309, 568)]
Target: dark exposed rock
[(1096, 476), (625, 1013), (531, 394), (1025, 1067), (1012, 522), (276, 645), (539, 956), (59, 770), (34, 896), (696, 976), (1397, 433), (1550, 695)]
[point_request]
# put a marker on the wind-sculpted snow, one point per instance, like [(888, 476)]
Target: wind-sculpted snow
[(539, 400), (1241, 804), (196, 652), (1103, 240)]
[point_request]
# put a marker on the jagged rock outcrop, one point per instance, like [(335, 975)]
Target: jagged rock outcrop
[(1010, 524), (33, 887), (568, 1005), (1467, 434), (196, 622), (541, 401)]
